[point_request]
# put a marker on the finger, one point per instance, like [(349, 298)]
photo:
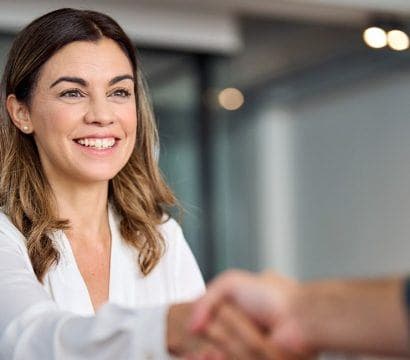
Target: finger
[(208, 352), (242, 338), (222, 330), (218, 290), (212, 353), (222, 333), (217, 332), (251, 338), (289, 346), (249, 341)]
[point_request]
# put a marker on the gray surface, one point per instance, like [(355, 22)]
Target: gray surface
[(353, 179)]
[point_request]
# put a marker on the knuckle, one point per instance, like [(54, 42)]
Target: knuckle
[(255, 345), (231, 274)]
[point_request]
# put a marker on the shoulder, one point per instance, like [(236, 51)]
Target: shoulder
[(9, 232), (173, 236), (181, 262), (170, 229), (12, 241), (177, 250)]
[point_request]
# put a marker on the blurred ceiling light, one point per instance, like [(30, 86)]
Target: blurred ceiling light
[(375, 37), (398, 40), (231, 99)]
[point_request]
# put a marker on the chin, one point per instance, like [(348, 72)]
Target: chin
[(98, 176)]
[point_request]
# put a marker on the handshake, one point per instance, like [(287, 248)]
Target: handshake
[(268, 316)]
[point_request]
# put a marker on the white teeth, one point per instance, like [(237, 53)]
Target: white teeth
[(105, 143)]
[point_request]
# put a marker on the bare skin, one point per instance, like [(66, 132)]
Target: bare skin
[(95, 273), (230, 336), (356, 316)]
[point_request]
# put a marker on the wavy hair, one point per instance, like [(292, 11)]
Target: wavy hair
[(138, 192)]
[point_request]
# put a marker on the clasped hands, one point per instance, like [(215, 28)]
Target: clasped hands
[(242, 316)]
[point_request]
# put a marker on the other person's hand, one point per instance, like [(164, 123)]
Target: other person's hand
[(270, 300), (230, 335)]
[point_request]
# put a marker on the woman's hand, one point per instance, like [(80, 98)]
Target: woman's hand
[(230, 335), (180, 341)]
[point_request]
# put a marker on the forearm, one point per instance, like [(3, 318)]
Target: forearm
[(115, 332), (360, 316)]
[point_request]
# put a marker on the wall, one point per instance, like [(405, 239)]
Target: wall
[(339, 165)]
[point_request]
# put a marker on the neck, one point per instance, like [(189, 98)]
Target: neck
[(85, 206)]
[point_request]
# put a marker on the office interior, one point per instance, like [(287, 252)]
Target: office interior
[(284, 135)]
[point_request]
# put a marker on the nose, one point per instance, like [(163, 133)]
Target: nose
[(99, 113)]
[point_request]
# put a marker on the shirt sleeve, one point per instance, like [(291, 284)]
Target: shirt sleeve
[(32, 327)]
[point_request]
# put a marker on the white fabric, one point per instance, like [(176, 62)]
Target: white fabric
[(56, 320)]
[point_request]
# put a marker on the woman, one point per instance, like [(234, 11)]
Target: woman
[(83, 201), (83, 219)]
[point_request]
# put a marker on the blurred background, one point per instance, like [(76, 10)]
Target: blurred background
[(285, 136)]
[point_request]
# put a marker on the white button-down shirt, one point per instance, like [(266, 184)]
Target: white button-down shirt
[(56, 320)]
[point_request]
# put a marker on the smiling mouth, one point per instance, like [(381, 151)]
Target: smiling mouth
[(97, 143)]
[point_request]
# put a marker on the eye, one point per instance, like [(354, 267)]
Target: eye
[(72, 93), (124, 93)]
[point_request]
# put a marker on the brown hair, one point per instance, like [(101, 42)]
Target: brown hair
[(138, 192)]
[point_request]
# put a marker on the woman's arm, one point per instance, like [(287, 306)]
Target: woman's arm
[(32, 327)]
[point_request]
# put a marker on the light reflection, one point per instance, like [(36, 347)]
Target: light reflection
[(231, 99), (398, 40), (375, 37)]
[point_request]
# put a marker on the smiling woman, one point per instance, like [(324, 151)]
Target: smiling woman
[(74, 118), (84, 228)]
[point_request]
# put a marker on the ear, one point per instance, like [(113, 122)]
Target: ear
[(19, 114)]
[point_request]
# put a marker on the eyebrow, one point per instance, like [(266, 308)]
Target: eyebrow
[(84, 83), (76, 80), (121, 78)]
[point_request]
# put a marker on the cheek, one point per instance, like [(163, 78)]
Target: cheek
[(131, 131), (129, 121), (52, 120), (44, 132)]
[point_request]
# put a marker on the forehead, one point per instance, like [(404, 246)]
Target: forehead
[(102, 59)]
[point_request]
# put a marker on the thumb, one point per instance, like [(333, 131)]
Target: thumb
[(224, 288)]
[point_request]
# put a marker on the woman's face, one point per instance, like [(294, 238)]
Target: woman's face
[(83, 112)]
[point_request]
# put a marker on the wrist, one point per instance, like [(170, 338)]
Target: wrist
[(305, 306), (317, 308), (171, 334), (177, 325), (294, 326)]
